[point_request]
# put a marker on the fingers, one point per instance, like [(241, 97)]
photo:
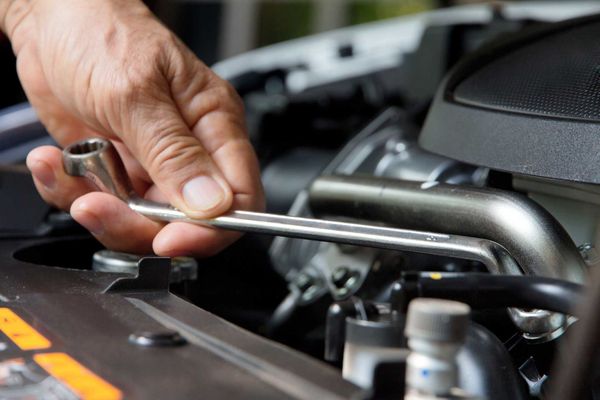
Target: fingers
[(234, 155), (176, 161), (105, 216), (53, 184), (179, 239), (110, 221), (215, 114)]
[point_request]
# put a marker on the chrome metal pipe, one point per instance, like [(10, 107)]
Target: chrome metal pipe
[(98, 160), (529, 233)]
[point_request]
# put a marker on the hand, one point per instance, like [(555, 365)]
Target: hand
[(109, 68)]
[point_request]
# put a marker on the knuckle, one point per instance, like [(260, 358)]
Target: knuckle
[(227, 90), (224, 97), (219, 97), (233, 96), (143, 67), (123, 90), (169, 154)]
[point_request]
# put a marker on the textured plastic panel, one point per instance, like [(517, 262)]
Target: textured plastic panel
[(558, 76), (529, 104)]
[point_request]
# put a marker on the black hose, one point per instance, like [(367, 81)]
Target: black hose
[(488, 291), (486, 368)]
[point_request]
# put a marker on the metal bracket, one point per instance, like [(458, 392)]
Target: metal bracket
[(153, 275)]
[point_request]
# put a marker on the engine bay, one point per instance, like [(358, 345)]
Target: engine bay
[(467, 135)]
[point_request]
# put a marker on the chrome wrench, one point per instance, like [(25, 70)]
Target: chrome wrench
[(98, 160)]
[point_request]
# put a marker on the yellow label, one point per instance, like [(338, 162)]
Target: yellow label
[(435, 276), (82, 381), (20, 332)]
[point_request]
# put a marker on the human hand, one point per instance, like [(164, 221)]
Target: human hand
[(109, 68)]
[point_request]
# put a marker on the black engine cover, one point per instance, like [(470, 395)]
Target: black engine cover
[(527, 104)]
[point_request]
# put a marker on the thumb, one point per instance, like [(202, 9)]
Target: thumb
[(176, 161)]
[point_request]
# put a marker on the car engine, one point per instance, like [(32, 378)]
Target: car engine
[(454, 154)]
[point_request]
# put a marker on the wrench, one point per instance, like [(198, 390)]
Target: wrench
[(98, 160)]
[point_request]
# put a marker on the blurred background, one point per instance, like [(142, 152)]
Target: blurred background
[(241, 25), (217, 29)]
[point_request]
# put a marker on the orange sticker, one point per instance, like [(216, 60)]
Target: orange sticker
[(20, 332), (82, 381)]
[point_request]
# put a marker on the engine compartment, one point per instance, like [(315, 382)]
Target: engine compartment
[(293, 318)]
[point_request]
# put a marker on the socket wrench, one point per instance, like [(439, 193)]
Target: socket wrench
[(98, 160)]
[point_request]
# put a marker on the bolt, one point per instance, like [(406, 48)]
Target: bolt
[(589, 253), (340, 276), (304, 282), (344, 277)]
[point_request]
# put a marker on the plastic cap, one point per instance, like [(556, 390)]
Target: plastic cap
[(439, 320)]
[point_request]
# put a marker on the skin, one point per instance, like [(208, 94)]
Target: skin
[(109, 68)]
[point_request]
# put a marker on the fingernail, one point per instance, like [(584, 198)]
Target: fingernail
[(203, 193), (43, 173), (91, 223)]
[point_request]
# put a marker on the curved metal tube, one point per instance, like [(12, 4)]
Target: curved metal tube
[(529, 233), (98, 160)]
